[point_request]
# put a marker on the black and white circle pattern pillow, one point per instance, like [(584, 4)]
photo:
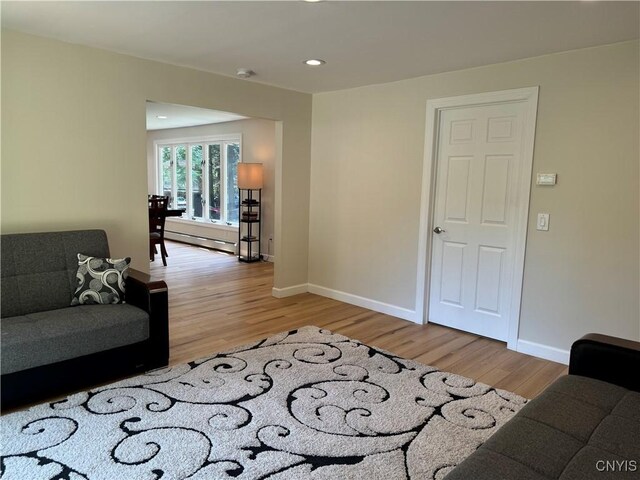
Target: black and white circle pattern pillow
[(100, 280)]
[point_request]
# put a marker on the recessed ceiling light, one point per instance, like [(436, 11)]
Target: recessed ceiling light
[(162, 117), (245, 73), (312, 1), (314, 62)]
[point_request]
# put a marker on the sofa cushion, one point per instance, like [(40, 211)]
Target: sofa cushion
[(588, 390), (628, 406), (569, 432), (526, 441), (42, 338), (39, 269), (100, 280), (565, 414), (620, 435), (489, 465)]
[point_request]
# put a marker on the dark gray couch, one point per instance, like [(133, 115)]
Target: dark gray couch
[(586, 425), (49, 347)]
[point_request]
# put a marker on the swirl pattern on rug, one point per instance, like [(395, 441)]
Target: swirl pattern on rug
[(302, 404)]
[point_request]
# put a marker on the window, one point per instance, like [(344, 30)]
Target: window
[(201, 177)]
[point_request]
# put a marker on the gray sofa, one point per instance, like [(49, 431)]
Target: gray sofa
[(586, 425), (49, 347)]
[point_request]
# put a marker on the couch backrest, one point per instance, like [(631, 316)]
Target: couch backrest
[(38, 270)]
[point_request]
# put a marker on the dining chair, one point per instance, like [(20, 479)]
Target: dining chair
[(157, 216)]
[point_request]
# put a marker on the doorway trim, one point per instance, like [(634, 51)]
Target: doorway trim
[(529, 96)]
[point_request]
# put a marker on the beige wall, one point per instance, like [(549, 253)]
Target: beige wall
[(258, 145), (73, 156), (581, 276), (74, 143)]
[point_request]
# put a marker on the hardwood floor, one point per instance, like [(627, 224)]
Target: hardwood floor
[(216, 302)]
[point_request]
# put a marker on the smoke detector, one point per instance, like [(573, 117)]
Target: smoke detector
[(245, 73)]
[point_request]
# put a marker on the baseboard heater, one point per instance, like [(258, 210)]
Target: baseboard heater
[(214, 243)]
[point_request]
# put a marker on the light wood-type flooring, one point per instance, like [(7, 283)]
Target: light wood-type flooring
[(216, 302)]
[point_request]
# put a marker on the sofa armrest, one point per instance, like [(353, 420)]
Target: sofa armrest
[(152, 296), (610, 359)]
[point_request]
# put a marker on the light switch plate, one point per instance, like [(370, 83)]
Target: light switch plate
[(546, 179), (543, 222)]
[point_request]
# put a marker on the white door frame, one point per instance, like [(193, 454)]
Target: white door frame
[(529, 96)]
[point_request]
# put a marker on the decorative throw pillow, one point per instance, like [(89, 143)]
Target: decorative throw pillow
[(100, 280)]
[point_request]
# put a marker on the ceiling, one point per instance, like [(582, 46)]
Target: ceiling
[(184, 116), (362, 42)]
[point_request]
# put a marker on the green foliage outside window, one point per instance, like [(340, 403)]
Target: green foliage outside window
[(212, 169), (233, 199), (214, 182), (181, 176)]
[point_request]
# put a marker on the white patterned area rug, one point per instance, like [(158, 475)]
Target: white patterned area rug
[(306, 404)]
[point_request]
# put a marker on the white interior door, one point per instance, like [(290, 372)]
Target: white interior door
[(477, 215)]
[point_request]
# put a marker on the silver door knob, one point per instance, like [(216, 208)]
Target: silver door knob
[(438, 230)]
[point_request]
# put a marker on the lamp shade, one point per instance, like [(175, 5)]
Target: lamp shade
[(250, 176)]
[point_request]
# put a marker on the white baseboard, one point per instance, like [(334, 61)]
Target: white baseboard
[(523, 346), (268, 258), (290, 291), (364, 302), (543, 351)]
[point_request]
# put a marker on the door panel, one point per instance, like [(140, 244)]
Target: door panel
[(489, 279), (457, 195), (478, 165), (451, 276), (496, 183), (502, 129)]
